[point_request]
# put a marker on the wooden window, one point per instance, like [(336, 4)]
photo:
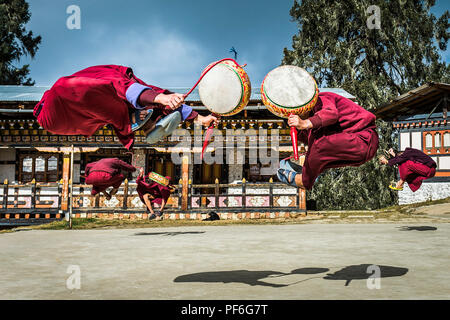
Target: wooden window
[(436, 142), (429, 141), (447, 140), (42, 167)]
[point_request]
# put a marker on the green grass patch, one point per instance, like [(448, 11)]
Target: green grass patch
[(93, 223), (409, 208)]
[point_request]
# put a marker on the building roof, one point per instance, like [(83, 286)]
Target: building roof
[(425, 99), (33, 94)]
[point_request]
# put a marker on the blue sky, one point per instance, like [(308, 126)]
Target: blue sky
[(166, 42)]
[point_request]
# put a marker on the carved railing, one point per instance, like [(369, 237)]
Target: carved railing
[(22, 203)]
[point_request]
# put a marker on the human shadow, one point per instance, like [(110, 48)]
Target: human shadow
[(254, 278), (361, 272), (417, 228), (167, 233)]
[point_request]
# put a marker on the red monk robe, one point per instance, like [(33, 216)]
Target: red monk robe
[(414, 166), (342, 134), (106, 173), (159, 193), (84, 102)]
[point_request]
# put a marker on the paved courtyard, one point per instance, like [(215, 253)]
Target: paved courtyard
[(303, 261)]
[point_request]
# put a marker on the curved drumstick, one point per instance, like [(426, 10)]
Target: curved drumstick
[(294, 140), (133, 161)]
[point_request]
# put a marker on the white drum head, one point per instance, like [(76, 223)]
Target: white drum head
[(289, 86), (220, 89)]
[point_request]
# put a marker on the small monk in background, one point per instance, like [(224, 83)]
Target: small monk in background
[(106, 173), (414, 166), (153, 193)]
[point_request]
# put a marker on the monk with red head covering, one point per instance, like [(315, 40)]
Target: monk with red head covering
[(338, 132), (106, 173), (89, 99), (153, 193)]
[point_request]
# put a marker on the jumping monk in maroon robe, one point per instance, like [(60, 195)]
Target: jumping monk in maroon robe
[(152, 192), (414, 166), (89, 99), (338, 132), (106, 173)]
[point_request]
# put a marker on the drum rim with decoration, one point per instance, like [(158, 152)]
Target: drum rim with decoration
[(246, 88), (156, 177), (285, 111)]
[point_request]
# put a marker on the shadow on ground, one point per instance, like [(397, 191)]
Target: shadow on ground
[(417, 228), (167, 233), (253, 278)]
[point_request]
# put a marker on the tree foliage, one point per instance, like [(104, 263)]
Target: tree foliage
[(336, 45), (15, 42)]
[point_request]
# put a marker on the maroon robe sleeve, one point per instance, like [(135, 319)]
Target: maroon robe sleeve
[(152, 92), (192, 116), (327, 116), (125, 166), (398, 160)]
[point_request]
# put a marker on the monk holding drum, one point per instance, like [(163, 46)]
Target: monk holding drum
[(89, 99), (338, 132)]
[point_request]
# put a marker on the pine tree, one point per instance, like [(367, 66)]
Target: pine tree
[(341, 46), (15, 42)]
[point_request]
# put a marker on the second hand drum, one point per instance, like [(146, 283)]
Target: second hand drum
[(224, 90), (289, 90)]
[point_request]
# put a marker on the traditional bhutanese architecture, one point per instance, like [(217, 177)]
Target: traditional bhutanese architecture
[(28, 153), (23, 142), (420, 119)]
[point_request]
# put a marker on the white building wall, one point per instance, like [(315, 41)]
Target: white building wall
[(7, 171), (416, 140), (405, 140), (428, 191)]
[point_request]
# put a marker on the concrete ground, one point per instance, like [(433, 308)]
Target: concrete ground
[(302, 261)]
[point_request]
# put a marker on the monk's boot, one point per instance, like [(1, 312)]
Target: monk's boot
[(164, 127), (135, 118)]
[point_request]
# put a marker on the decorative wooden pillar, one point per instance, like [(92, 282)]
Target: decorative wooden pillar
[(125, 195), (217, 193), (66, 178), (5, 194), (302, 199), (185, 182)]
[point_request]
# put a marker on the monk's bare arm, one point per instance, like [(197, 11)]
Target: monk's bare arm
[(163, 204)]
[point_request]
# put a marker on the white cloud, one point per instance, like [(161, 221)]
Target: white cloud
[(158, 56)]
